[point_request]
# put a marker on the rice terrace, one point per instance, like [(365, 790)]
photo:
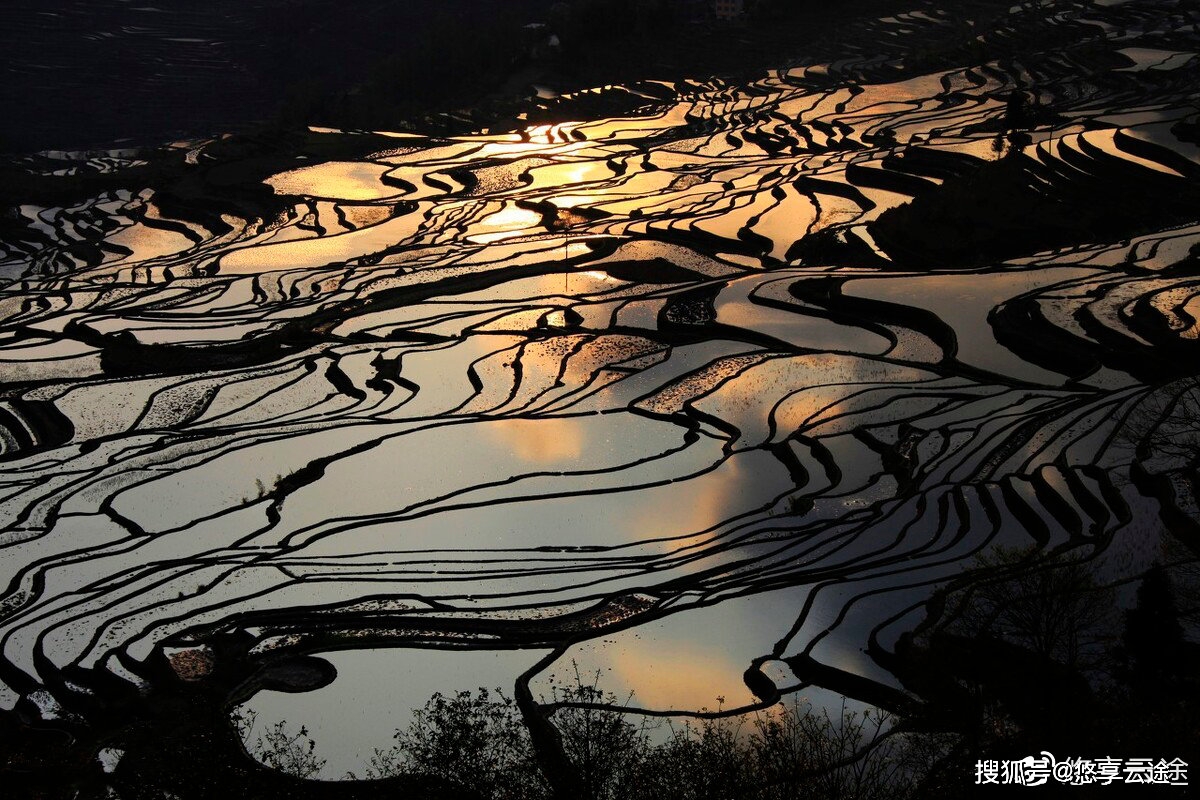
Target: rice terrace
[(611, 400)]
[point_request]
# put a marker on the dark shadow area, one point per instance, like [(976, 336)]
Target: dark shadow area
[(1019, 205), (98, 74)]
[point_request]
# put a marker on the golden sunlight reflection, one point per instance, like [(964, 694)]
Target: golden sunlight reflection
[(569, 174), (551, 440), (693, 659), (632, 193), (508, 222), (709, 507), (344, 180), (551, 134), (145, 243), (688, 676)]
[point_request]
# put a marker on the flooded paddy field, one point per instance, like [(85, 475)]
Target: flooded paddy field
[(868, 384)]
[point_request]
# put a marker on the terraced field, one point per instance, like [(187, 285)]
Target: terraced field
[(721, 396)]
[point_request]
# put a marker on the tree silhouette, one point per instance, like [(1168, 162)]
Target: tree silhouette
[(1153, 638), (603, 745), (1051, 606), (477, 740), (281, 749)]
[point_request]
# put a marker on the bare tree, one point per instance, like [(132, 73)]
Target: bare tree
[(1051, 606)]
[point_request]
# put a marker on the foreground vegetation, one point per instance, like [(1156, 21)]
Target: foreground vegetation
[(478, 740), (1037, 656)]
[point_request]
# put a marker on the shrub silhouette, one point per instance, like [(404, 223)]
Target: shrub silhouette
[(478, 740), (292, 753)]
